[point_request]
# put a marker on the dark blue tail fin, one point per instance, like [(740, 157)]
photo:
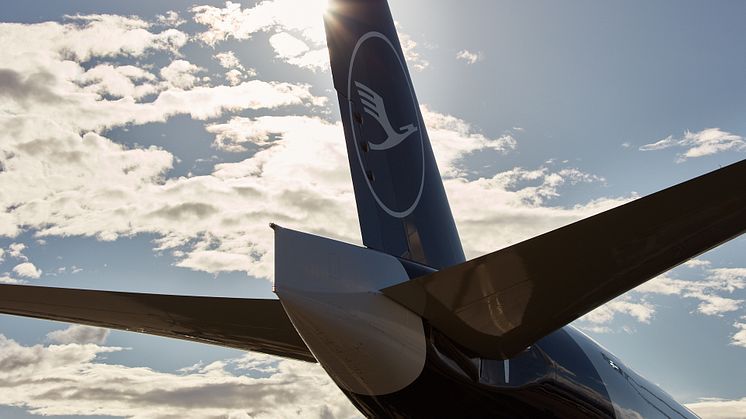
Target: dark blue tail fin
[(401, 202)]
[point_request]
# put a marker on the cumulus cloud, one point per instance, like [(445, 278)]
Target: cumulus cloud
[(717, 408), (298, 38), (88, 36), (22, 89), (708, 291), (698, 144), (181, 74), (170, 18), (119, 81), (415, 60), (453, 138), (697, 263), (234, 76), (640, 311), (217, 222), (122, 189), (296, 52), (44, 76), (5, 279), (518, 206), (15, 250), (518, 197), (232, 21), (739, 337), (711, 288), (27, 270), (235, 134), (70, 379), (287, 45), (470, 57), (236, 71), (295, 143), (79, 334), (228, 60), (297, 28)]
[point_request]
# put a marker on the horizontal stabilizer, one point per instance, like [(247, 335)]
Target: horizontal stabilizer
[(500, 303), (249, 324)]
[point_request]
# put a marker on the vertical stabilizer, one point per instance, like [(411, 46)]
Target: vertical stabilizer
[(401, 202)]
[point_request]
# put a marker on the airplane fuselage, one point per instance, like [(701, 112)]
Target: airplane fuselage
[(390, 362), (565, 374)]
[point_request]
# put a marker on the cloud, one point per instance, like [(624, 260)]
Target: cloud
[(698, 144), (5, 279), (739, 337), (708, 290), (181, 74), (85, 37), (217, 221), (697, 263), (49, 91), (123, 189), (453, 139), (313, 147), (518, 197), (470, 57), (302, 17), (296, 52), (238, 132), (236, 72), (79, 334), (640, 311), (15, 250), (45, 379), (711, 290), (170, 18), (717, 408), (34, 87), (518, 208), (119, 81), (298, 36), (234, 76), (228, 60), (27, 270), (411, 53)]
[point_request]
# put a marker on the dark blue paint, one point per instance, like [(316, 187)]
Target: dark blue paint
[(428, 234)]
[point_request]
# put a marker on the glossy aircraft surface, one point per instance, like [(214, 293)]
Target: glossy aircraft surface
[(405, 326)]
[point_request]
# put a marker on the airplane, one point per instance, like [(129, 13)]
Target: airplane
[(406, 326)]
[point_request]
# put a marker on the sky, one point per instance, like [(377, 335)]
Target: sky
[(145, 146)]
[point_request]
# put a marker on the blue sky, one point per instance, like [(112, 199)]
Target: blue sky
[(145, 146)]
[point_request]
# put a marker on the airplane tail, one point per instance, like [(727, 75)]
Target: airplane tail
[(401, 202), (496, 305)]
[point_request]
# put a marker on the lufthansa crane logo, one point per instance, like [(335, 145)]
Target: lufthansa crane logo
[(374, 106), (384, 117)]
